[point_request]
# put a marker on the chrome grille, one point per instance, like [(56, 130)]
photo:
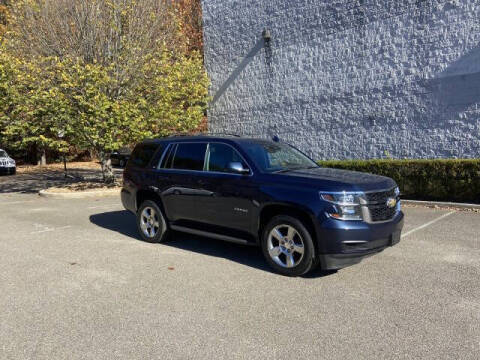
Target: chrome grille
[(381, 212), (380, 197), (377, 205)]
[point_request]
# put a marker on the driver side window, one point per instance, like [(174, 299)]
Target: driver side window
[(219, 156)]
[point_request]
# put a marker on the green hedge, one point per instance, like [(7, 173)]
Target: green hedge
[(440, 180)]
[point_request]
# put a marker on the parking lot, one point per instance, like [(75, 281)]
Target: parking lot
[(77, 283)]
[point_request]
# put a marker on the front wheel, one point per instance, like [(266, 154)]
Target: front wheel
[(287, 246), (151, 222)]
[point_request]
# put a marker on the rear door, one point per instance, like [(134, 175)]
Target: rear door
[(180, 169)]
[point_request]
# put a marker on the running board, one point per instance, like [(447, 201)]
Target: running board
[(210, 235)]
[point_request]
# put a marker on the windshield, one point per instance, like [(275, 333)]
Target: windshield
[(3, 154), (273, 157)]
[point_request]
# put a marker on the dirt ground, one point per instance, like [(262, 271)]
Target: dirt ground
[(71, 166), (31, 179)]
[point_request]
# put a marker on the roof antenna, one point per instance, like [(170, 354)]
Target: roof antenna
[(276, 138)]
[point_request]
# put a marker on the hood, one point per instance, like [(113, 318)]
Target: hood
[(329, 179)]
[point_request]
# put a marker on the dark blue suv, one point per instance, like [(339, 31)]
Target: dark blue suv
[(260, 192)]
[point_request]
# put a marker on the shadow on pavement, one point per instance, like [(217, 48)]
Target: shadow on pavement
[(124, 223)]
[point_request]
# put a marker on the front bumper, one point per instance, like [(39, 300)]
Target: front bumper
[(347, 243), (8, 170)]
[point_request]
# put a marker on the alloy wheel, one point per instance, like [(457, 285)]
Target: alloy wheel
[(285, 246), (149, 222)]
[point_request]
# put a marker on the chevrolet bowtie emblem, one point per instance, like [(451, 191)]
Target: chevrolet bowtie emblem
[(391, 202)]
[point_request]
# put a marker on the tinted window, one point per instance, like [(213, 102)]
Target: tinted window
[(142, 154), (168, 157), (189, 156), (220, 155)]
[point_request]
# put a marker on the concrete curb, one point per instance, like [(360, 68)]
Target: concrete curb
[(441, 204), (79, 194)]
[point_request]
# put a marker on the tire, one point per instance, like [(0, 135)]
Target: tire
[(122, 163), (279, 238), (151, 222)]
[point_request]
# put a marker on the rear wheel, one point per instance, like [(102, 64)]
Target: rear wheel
[(122, 163), (151, 222), (287, 246)]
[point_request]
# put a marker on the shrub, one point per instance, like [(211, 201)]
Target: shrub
[(440, 180)]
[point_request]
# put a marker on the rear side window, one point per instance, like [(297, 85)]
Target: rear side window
[(189, 156), (168, 157), (142, 154)]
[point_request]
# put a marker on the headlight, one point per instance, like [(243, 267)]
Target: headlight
[(397, 195), (397, 191), (345, 205)]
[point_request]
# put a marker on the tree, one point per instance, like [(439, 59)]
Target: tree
[(32, 110), (4, 15), (121, 33), (190, 17), (105, 73)]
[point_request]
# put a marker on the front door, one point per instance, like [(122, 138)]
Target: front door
[(226, 200)]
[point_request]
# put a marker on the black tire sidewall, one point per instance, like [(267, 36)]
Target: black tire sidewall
[(307, 262), (161, 235)]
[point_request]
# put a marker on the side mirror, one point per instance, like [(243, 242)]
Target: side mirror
[(237, 168)]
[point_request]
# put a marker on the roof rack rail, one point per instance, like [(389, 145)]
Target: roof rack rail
[(203, 134), (223, 133)]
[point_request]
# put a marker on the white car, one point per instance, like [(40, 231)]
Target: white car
[(7, 164)]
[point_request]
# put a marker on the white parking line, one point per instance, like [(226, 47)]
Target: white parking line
[(112, 206), (428, 224), (17, 202), (50, 229)]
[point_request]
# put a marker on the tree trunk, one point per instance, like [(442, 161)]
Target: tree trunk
[(65, 166), (43, 158), (107, 170)]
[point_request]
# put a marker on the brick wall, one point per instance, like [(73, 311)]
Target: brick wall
[(348, 78)]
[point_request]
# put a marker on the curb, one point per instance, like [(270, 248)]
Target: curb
[(441, 204), (79, 194)]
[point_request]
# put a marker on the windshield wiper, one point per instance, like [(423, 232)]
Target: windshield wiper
[(289, 169), (295, 168)]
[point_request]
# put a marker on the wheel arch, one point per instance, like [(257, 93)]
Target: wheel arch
[(269, 211), (144, 194)]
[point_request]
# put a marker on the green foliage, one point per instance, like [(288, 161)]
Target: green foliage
[(31, 109), (44, 98), (447, 180), (96, 75), (174, 96)]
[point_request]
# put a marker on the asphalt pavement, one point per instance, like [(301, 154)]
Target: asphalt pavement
[(76, 282)]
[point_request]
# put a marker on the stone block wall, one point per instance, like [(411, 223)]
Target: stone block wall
[(344, 79)]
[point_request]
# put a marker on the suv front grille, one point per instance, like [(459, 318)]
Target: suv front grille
[(380, 197), (377, 205), (381, 212)]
